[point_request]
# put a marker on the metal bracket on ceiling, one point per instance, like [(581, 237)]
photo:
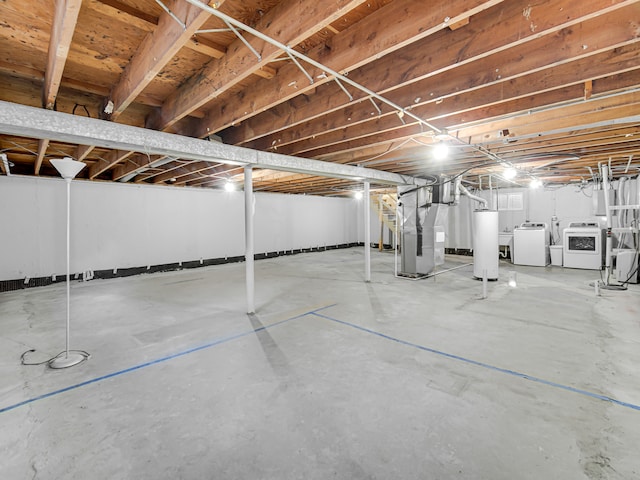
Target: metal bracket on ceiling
[(172, 15), (244, 40), (295, 60), (343, 88)]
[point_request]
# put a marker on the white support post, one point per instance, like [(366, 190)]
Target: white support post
[(367, 233), (248, 238)]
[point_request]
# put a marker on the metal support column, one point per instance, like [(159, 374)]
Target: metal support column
[(367, 233), (248, 238)]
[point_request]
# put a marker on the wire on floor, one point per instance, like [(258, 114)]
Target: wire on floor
[(23, 361)]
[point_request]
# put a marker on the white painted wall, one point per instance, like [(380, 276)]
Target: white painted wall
[(124, 225)]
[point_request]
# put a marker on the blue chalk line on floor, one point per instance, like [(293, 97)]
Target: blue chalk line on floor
[(483, 365), (160, 360)]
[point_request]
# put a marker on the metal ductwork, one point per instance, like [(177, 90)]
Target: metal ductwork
[(422, 231)]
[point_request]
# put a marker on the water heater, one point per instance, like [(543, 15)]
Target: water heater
[(485, 244)]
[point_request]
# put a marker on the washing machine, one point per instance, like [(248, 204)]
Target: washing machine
[(531, 244), (583, 244)]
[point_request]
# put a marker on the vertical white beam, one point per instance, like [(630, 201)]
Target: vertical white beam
[(248, 237), (367, 233)]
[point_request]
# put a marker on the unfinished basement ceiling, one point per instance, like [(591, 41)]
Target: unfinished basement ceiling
[(552, 87)]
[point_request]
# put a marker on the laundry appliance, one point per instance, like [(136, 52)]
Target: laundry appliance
[(531, 244), (583, 244)]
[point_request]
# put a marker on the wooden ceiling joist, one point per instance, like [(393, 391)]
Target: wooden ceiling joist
[(43, 144), (409, 27), (107, 162), (511, 81), (222, 74), (467, 97), (64, 24), (487, 35), (157, 49)]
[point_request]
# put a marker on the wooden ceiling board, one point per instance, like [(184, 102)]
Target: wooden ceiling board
[(103, 43), (183, 66), (147, 7), (527, 82), (24, 33)]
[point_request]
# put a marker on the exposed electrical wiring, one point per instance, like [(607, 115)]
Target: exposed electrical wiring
[(24, 354)]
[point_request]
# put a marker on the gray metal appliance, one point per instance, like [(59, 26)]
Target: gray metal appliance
[(422, 231)]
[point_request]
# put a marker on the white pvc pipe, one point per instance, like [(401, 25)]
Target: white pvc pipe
[(484, 284), (248, 238), (604, 173), (491, 193), (367, 233), (481, 200), (397, 242)]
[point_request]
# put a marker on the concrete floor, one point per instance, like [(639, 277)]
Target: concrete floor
[(332, 378)]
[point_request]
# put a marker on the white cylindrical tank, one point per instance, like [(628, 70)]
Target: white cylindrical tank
[(485, 244)]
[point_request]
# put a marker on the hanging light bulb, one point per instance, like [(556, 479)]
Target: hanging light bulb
[(510, 173), (358, 195), (535, 183), (229, 186), (440, 151)]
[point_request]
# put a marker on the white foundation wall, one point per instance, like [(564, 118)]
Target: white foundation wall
[(116, 226)]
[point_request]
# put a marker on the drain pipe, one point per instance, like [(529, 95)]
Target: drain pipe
[(605, 171), (484, 203)]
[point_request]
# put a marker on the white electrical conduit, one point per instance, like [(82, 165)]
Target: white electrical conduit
[(171, 14), (433, 274), (291, 52), (401, 111)]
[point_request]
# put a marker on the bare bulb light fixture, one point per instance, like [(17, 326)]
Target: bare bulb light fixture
[(510, 173), (440, 151), (358, 195), (68, 169), (229, 186), (535, 183)]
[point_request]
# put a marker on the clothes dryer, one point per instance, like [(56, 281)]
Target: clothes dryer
[(583, 244)]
